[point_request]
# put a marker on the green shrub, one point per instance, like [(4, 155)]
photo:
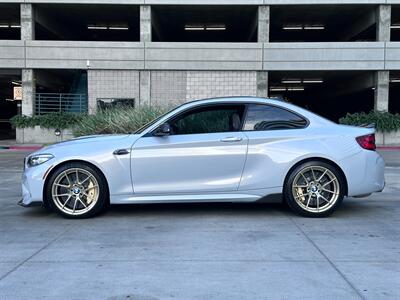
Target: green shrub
[(384, 121), (52, 120), (117, 120)]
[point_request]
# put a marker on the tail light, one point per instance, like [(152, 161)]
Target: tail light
[(367, 141)]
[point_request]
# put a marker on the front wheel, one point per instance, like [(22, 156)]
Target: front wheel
[(314, 189), (77, 190)]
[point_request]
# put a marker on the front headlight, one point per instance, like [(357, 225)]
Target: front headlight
[(38, 159)]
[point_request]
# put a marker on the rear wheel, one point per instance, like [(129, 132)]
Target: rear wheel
[(77, 190), (314, 189)]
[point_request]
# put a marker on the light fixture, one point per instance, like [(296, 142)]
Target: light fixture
[(277, 89), (313, 80), (304, 27), (194, 27), (15, 26), (291, 81), (4, 25), (295, 89), (18, 83), (216, 27), (292, 27), (394, 80), (314, 27), (95, 27), (395, 26), (288, 89), (118, 28), (57, 132)]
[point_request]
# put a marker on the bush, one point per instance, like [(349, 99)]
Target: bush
[(384, 121), (117, 120), (58, 120)]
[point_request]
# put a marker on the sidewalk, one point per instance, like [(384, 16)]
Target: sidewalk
[(12, 145)]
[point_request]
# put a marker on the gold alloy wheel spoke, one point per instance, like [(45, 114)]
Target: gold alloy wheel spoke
[(313, 200), (74, 191)]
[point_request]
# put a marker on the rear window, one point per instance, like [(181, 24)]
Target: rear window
[(262, 117)]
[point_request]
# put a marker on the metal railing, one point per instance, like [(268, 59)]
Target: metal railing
[(64, 102)]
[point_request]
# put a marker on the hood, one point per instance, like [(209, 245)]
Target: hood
[(95, 139)]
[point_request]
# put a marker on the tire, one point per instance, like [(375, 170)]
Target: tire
[(77, 199), (314, 189)]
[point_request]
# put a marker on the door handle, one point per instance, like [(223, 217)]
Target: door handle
[(231, 139)]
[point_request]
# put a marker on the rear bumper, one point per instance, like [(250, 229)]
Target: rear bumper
[(365, 173)]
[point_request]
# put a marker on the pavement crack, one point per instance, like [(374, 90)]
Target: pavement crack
[(35, 253), (327, 259)]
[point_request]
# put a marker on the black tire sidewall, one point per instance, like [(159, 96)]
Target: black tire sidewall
[(291, 202), (102, 201)]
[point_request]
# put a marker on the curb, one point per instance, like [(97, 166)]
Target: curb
[(389, 148), (21, 148)]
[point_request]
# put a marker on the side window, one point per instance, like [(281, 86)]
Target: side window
[(265, 117), (209, 119)]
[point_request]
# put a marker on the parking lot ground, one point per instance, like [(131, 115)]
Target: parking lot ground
[(200, 251)]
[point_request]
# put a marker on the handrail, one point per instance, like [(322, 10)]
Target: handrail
[(60, 102)]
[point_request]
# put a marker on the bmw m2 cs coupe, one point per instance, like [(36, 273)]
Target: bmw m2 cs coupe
[(237, 149)]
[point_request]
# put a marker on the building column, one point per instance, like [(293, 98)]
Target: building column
[(262, 84), (145, 23), (27, 22), (28, 92), (144, 87), (28, 80), (383, 21), (263, 23), (381, 101)]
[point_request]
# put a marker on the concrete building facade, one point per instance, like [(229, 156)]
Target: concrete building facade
[(180, 50)]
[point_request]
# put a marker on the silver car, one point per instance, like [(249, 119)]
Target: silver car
[(237, 149)]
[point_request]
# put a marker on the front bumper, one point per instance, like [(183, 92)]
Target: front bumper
[(32, 185)]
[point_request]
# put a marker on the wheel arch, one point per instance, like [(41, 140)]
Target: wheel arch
[(322, 159), (56, 167)]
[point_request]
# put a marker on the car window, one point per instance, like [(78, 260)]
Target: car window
[(266, 117), (209, 119)]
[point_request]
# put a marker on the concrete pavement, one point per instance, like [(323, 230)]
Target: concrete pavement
[(204, 251)]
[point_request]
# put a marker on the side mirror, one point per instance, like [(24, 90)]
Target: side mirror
[(163, 130)]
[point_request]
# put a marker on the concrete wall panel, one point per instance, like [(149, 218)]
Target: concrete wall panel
[(212, 56), (12, 54), (392, 56), (75, 55), (324, 56)]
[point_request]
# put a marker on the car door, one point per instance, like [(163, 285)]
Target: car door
[(274, 134), (204, 152)]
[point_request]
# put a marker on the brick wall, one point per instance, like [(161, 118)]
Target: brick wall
[(169, 87), (207, 84), (112, 84)]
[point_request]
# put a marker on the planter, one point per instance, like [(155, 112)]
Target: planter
[(39, 135), (387, 138)]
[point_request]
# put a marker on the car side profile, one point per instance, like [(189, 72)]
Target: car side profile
[(233, 149)]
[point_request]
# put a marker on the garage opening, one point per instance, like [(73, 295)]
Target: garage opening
[(395, 25), (211, 23), (394, 92), (61, 91), (10, 101), (331, 94), (10, 22), (87, 22), (322, 23)]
